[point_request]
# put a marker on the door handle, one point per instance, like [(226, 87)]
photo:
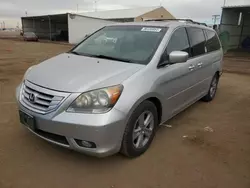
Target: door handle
[(200, 64), (191, 67)]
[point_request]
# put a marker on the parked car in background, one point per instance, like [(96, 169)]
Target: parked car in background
[(110, 93), (30, 36)]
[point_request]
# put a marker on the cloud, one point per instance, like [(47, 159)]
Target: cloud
[(195, 9)]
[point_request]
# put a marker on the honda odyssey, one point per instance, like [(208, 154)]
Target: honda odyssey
[(110, 92)]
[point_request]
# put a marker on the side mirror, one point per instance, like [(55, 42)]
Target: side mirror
[(178, 57)]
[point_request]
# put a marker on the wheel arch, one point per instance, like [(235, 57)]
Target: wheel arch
[(152, 97), (158, 105), (218, 73)]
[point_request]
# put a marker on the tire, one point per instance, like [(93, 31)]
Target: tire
[(212, 89), (132, 144)]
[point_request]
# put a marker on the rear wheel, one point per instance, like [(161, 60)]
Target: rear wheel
[(212, 89), (140, 130)]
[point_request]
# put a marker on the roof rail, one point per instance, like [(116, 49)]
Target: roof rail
[(186, 20)]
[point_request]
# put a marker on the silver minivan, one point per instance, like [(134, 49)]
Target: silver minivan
[(111, 92)]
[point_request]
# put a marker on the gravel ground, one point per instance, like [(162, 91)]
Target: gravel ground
[(237, 62), (207, 146)]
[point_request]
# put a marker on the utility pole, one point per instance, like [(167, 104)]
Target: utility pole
[(95, 4), (77, 8), (215, 18), (225, 3), (26, 13)]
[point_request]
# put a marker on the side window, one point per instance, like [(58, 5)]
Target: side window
[(213, 43), (178, 42), (197, 41)]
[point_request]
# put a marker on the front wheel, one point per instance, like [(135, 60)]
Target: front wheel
[(212, 89), (140, 130)]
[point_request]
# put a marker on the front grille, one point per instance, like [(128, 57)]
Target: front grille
[(53, 137), (39, 99)]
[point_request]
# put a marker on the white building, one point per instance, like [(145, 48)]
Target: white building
[(73, 27), (66, 27), (235, 19)]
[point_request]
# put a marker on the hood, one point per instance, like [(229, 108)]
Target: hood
[(73, 73)]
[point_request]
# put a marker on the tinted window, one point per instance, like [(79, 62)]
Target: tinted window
[(197, 41), (178, 42), (213, 43)]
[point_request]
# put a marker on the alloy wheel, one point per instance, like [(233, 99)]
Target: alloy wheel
[(143, 129)]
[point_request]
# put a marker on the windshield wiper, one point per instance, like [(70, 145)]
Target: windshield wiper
[(103, 57), (74, 52), (112, 58)]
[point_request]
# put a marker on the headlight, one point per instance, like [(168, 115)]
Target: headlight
[(97, 101)]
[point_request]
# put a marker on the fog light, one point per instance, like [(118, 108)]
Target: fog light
[(86, 144)]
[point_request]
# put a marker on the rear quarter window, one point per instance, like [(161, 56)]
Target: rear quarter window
[(212, 43)]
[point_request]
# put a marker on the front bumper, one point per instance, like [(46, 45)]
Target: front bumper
[(64, 129)]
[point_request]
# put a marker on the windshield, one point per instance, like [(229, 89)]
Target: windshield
[(134, 44)]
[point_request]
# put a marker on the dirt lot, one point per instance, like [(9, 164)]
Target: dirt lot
[(10, 34), (184, 156), (237, 62)]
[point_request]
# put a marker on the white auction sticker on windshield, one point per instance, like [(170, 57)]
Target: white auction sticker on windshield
[(151, 29)]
